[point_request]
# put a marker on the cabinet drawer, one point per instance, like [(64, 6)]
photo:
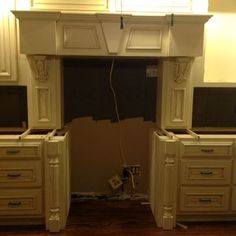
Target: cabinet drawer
[(20, 150), (203, 149), (20, 173), (206, 172), (20, 202), (204, 199), (233, 199)]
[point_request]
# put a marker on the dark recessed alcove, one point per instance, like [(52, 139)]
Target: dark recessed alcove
[(214, 107), (13, 106), (87, 91)]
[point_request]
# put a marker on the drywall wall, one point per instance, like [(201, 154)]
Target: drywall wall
[(220, 47), (95, 151)]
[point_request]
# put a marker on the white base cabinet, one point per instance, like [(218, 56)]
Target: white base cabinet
[(201, 171), (34, 180)]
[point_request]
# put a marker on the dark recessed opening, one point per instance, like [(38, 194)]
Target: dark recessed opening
[(214, 107), (87, 91), (13, 106)]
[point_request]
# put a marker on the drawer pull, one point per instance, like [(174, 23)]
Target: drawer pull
[(207, 150), (14, 204), (14, 175), (204, 200), (13, 151), (206, 172)]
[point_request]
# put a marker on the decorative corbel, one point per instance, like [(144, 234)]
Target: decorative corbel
[(182, 69), (40, 67)]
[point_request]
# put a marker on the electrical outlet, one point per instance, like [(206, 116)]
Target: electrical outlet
[(115, 182), (134, 169)]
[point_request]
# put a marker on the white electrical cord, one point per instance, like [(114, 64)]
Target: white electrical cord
[(132, 179), (122, 155)]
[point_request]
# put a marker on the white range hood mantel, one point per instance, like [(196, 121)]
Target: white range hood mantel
[(99, 34)]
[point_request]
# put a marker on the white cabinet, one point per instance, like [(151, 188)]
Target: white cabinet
[(8, 53), (195, 181), (21, 172), (70, 33), (205, 178), (34, 179)]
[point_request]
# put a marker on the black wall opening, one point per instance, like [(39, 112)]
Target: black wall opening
[(214, 107), (13, 106), (87, 91)]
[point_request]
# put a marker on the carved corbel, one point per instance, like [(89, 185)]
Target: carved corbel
[(40, 67), (182, 69)]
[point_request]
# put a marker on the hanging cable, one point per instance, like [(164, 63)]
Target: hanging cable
[(122, 154), (121, 17)]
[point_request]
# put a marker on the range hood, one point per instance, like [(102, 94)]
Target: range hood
[(66, 33)]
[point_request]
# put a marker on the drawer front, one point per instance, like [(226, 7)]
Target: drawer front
[(20, 202), (212, 172), (20, 150), (20, 174), (204, 199), (233, 199), (204, 149)]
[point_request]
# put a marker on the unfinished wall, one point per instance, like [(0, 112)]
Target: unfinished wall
[(96, 153)]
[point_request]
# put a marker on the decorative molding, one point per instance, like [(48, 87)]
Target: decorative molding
[(144, 39), (40, 67), (43, 104), (169, 183), (153, 6), (81, 5), (182, 69), (113, 36), (53, 154), (177, 104), (80, 37)]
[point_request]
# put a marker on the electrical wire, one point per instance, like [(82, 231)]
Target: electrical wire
[(132, 179), (122, 154)]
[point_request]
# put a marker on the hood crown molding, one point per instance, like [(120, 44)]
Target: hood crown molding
[(72, 33)]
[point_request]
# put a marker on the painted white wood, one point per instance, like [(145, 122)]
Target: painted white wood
[(52, 186), (80, 38), (81, 5), (233, 199), (170, 185), (26, 202), (83, 37), (143, 35), (45, 104), (177, 104), (147, 39), (20, 173), (113, 36), (34, 179), (40, 67), (20, 150), (152, 175), (156, 6), (8, 64), (176, 93), (206, 149), (57, 188), (165, 173), (205, 172), (37, 32), (204, 199)]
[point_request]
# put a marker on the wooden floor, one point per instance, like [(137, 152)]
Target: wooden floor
[(115, 218)]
